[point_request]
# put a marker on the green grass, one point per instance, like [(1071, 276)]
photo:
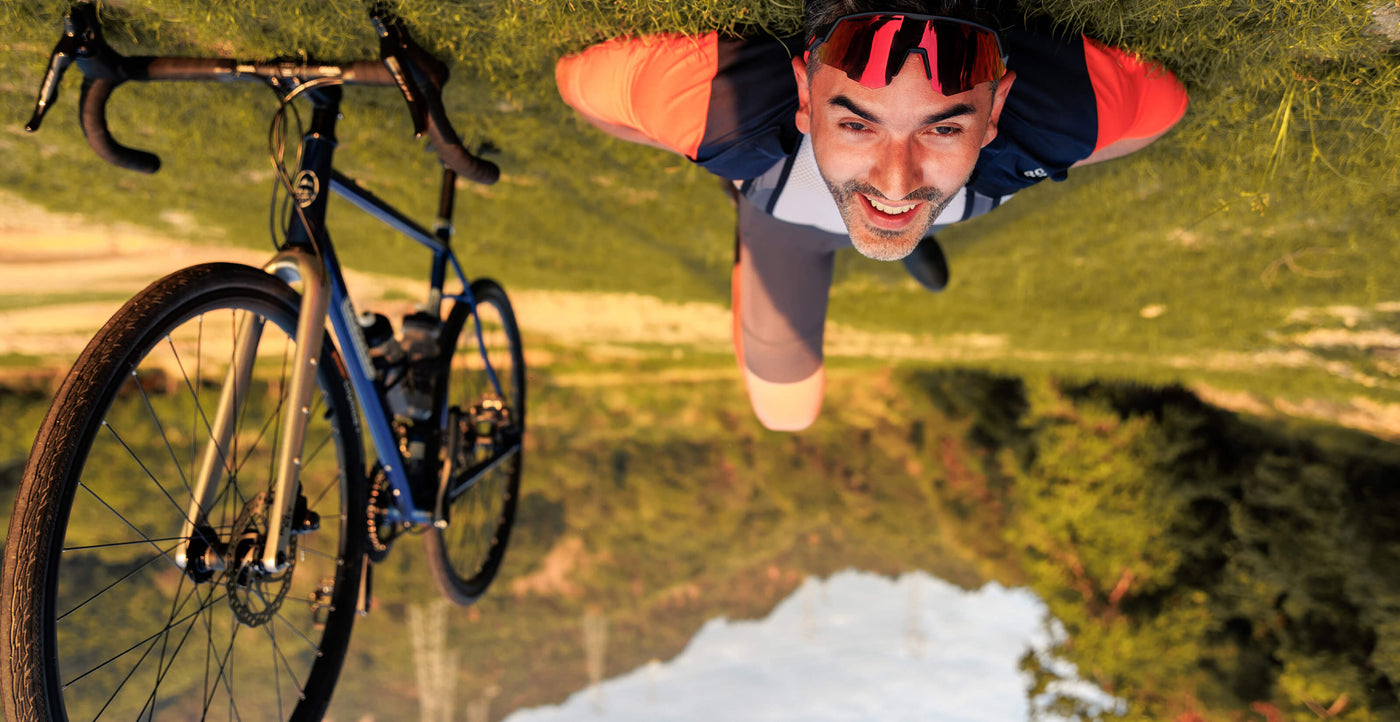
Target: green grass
[(1273, 194), (11, 303)]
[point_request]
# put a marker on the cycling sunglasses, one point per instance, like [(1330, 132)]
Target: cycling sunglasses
[(871, 49)]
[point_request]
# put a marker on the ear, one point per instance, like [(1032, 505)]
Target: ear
[(804, 96), (998, 102)]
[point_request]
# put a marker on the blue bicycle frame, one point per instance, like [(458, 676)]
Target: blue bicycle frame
[(307, 256)]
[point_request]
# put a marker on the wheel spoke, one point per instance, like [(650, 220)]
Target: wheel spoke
[(154, 480), (131, 526), (286, 663), (114, 545), (131, 648), (131, 634), (160, 429), (199, 407), (221, 680), (316, 552), (118, 690), (164, 667), (107, 588)]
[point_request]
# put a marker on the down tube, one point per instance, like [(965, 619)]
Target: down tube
[(342, 316)]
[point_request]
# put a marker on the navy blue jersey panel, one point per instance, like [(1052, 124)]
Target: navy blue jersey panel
[(753, 99), (1051, 116)]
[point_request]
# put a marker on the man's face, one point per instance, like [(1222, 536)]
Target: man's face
[(894, 156)]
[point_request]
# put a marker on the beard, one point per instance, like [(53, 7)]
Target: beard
[(883, 244)]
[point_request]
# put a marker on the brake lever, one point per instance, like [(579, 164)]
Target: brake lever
[(82, 42), (393, 48), (64, 53)]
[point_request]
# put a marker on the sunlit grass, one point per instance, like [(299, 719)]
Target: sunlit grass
[(1273, 194)]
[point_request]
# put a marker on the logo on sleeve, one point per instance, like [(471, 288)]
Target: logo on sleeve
[(1037, 173)]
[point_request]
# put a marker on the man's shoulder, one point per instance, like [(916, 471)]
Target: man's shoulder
[(753, 99), (725, 101)]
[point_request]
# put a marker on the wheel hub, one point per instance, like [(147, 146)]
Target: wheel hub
[(254, 594)]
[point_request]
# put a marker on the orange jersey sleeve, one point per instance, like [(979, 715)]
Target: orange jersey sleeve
[(1136, 98), (657, 85)]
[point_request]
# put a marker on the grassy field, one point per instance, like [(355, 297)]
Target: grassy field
[(1251, 250)]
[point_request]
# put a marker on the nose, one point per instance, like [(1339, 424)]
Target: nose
[(896, 172)]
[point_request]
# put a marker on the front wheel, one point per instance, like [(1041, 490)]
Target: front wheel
[(123, 596), (484, 397)]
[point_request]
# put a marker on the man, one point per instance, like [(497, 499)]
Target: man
[(889, 120)]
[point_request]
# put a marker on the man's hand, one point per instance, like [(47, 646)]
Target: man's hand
[(629, 134), (1118, 149)]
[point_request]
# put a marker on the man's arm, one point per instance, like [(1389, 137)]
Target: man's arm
[(1118, 149), (651, 90), (1138, 101)]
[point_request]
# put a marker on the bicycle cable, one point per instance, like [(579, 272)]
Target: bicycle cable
[(277, 147), (277, 142)]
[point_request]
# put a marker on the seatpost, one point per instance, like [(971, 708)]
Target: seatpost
[(447, 201)]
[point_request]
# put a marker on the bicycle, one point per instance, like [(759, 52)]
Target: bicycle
[(203, 464)]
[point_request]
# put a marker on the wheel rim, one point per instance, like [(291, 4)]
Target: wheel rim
[(474, 540), (133, 633)]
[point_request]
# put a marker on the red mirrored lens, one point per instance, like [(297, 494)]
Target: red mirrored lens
[(872, 49)]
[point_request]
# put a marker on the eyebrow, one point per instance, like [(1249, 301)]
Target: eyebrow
[(842, 101)]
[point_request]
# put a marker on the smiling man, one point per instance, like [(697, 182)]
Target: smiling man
[(886, 121)]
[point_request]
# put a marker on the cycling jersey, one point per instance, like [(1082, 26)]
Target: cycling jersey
[(728, 103)]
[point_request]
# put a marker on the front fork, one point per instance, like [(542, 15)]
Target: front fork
[(291, 265)]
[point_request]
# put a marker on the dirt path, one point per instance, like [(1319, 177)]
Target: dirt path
[(61, 278)]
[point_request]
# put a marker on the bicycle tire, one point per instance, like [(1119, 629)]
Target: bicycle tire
[(466, 555), (94, 621)]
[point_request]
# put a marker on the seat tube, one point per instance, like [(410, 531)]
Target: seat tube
[(438, 276)]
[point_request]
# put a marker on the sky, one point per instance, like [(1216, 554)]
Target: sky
[(854, 646)]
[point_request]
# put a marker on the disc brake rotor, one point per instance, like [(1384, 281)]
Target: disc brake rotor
[(255, 595)]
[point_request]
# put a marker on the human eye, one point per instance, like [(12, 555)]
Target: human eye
[(854, 126), (945, 130)]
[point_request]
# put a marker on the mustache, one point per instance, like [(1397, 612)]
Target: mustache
[(927, 193)]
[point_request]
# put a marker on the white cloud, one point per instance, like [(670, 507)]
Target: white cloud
[(856, 646)]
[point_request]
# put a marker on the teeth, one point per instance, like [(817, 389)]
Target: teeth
[(891, 210)]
